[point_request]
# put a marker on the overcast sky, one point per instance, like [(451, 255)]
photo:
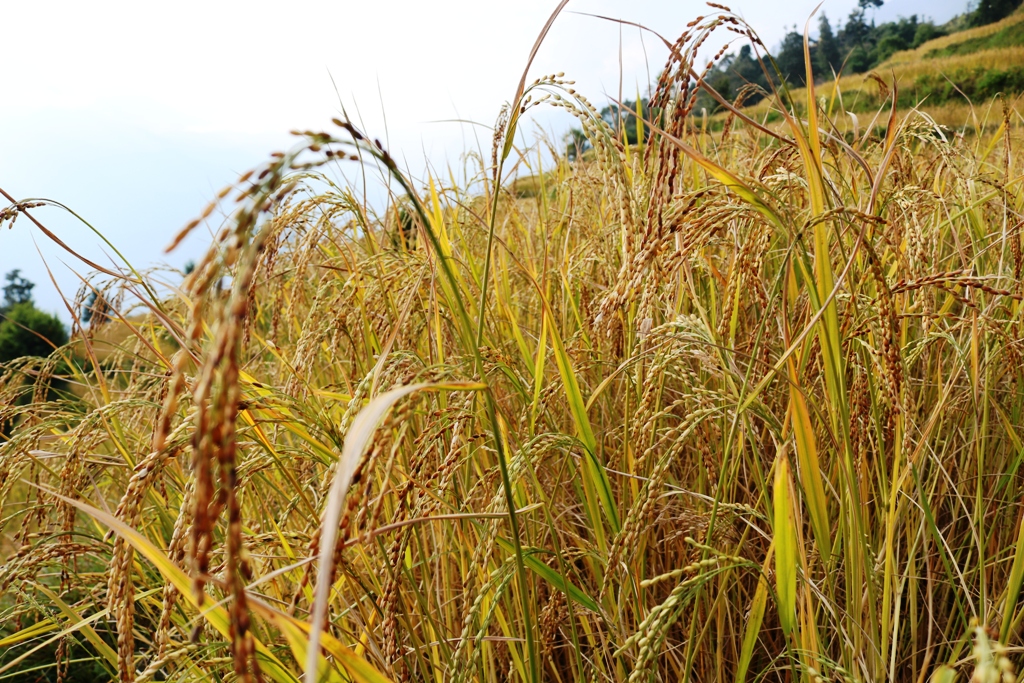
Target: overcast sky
[(135, 114)]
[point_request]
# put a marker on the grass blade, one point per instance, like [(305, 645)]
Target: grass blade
[(755, 615), (214, 614), (786, 559), (359, 436)]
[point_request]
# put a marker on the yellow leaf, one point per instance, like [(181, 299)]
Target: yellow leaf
[(785, 545), (215, 614), (359, 436)]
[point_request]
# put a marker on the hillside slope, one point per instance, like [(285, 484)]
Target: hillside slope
[(977, 63), (950, 78)]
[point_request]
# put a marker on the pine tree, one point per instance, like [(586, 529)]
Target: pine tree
[(828, 60), (790, 59), (18, 290)]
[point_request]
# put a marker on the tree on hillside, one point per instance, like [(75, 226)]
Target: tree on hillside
[(618, 118), (926, 31), (857, 32), (895, 36), (990, 11), (790, 59), (27, 331), (747, 67), (18, 290), (854, 47), (828, 59), (24, 329), (576, 144), (624, 118), (733, 77)]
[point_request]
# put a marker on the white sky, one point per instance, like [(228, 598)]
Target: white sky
[(135, 113)]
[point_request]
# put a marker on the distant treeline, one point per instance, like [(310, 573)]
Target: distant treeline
[(856, 46)]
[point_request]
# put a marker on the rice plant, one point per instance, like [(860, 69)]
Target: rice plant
[(738, 406)]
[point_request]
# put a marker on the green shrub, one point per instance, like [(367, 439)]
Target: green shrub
[(990, 11), (925, 32), (27, 331), (975, 84), (889, 45), (858, 60)]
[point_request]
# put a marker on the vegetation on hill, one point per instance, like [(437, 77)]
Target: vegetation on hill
[(1008, 35), (739, 407), (989, 11), (853, 47), (957, 87), (972, 65), (24, 329), (860, 46), (27, 331), (934, 67)]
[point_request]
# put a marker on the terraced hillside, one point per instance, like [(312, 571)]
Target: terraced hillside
[(953, 79)]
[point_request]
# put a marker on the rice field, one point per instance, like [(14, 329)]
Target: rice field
[(742, 406)]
